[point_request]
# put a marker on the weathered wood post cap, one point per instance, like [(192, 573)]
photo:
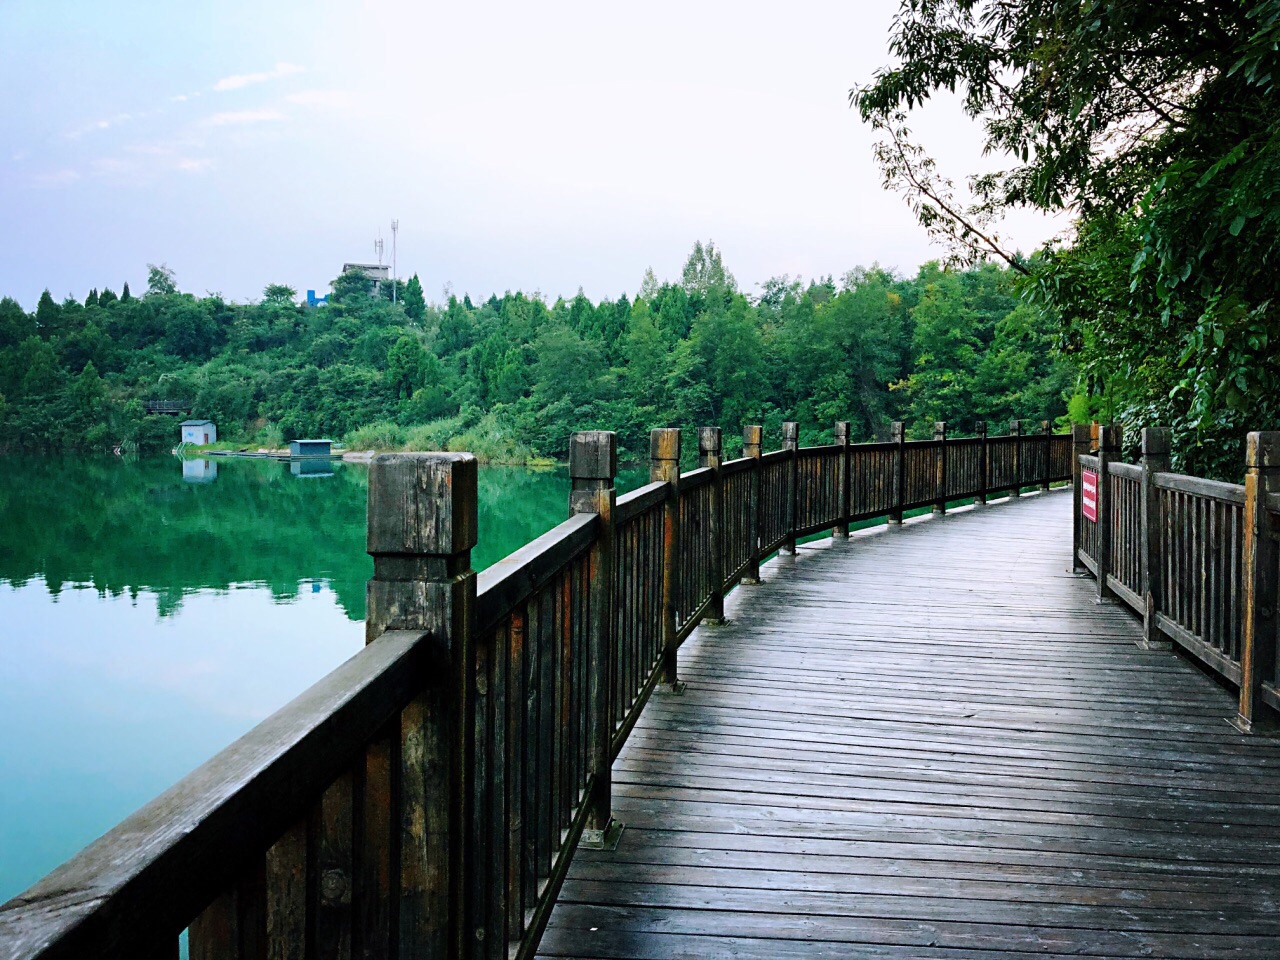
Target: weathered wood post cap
[(422, 503), (752, 435), (1109, 438), (708, 441), (1015, 428), (980, 428), (896, 430), (939, 429), (664, 443), (842, 431), (593, 455), (1262, 449), (790, 432), (1156, 441), (1081, 433)]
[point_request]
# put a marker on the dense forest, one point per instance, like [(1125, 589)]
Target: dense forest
[(1154, 124), (511, 376)]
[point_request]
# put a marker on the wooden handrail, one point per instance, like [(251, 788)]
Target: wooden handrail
[(432, 789), (510, 581), (145, 880), (1195, 558)]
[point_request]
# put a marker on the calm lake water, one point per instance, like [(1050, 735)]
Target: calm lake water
[(151, 612)]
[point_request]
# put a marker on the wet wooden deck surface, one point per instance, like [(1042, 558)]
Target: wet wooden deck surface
[(931, 742)]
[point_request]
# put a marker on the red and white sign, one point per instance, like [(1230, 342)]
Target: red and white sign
[(1089, 495)]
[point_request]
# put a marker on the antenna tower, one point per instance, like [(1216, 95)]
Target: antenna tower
[(395, 229)]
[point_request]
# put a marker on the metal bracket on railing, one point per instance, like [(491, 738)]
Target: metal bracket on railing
[(606, 839)]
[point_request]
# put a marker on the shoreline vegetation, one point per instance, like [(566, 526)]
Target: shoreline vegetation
[(509, 378)]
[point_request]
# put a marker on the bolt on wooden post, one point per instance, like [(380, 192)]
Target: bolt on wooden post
[(940, 468), (422, 526), (752, 438), (1258, 619), (984, 461), (1155, 459), (791, 442), (1108, 450), (1081, 444), (593, 467), (709, 456), (664, 465), (843, 479), (898, 437), (1015, 431)]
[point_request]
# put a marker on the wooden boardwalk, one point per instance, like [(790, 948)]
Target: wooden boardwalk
[(930, 742)]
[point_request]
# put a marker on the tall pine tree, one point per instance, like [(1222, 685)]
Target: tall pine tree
[(415, 304)]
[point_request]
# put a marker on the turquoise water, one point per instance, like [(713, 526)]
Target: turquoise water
[(154, 611)]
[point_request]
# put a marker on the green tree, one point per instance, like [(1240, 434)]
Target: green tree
[(405, 367), (279, 294), (48, 315), (160, 280), (415, 304), (1153, 123)]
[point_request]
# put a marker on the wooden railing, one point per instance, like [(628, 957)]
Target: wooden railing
[(425, 799), (1197, 559)]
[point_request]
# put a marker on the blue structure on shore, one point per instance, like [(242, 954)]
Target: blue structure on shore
[(314, 301), (310, 448)]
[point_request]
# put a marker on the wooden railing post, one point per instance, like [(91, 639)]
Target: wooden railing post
[(593, 467), (791, 442), (1108, 449), (664, 465), (422, 526), (898, 437), (1081, 444), (1015, 431), (709, 456), (984, 461), (1047, 432), (1155, 459), (940, 461), (752, 438), (1258, 646), (843, 479)]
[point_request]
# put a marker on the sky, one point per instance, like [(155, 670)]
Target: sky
[(542, 147)]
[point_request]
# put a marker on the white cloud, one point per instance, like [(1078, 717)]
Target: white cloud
[(56, 178), (239, 80), (107, 165), (240, 117), (322, 99), (193, 164)]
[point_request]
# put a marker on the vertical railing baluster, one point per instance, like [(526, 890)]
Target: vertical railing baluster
[(709, 456), (1108, 449), (593, 465), (1046, 431), (940, 468), (422, 526), (1080, 445), (843, 480), (984, 463), (1258, 640), (791, 443), (1015, 431), (1155, 459), (752, 440), (898, 436), (664, 465)]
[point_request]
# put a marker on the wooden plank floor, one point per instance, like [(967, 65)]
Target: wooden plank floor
[(930, 742)]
